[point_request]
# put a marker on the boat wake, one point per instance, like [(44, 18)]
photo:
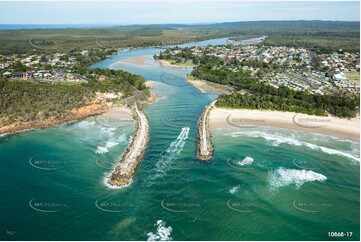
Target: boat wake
[(173, 150), (168, 156)]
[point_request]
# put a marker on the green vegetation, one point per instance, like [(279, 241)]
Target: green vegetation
[(284, 99), (263, 96), (25, 101), (354, 77), (320, 35)]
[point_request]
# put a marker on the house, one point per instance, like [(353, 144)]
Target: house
[(7, 74), (340, 77), (19, 75), (38, 75), (102, 78)]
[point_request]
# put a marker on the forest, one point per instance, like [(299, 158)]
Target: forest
[(324, 36), (26, 101)]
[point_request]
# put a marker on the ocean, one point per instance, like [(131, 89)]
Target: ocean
[(263, 184)]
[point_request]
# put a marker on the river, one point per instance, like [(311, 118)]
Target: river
[(256, 187)]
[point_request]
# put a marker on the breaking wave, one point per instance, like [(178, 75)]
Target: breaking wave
[(277, 139), (110, 144), (162, 233), (284, 177), (85, 124)]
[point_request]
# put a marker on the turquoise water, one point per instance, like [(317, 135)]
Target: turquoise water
[(263, 183)]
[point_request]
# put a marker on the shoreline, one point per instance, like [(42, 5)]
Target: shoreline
[(169, 64), (247, 118), (205, 87), (26, 127), (123, 173)]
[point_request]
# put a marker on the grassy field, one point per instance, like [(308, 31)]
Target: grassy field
[(353, 76)]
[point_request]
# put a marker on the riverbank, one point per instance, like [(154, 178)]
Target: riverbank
[(208, 87), (243, 118), (124, 171), (170, 63), (204, 138), (153, 95)]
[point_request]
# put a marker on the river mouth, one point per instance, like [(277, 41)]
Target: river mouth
[(254, 187)]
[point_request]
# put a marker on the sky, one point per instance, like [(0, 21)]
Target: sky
[(161, 12)]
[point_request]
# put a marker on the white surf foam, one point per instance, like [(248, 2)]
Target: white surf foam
[(85, 124), (162, 233), (234, 189), (105, 181), (284, 177), (101, 150), (245, 161), (110, 144), (277, 139)]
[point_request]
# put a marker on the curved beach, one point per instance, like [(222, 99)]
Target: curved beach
[(123, 173), (242, 118)]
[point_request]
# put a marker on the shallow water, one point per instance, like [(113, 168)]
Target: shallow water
[(292, 186)]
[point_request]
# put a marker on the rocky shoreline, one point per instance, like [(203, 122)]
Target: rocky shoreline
[(125, 169), (24, 127), (204, 138)]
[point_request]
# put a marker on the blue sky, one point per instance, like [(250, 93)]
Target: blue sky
[(153, 12)]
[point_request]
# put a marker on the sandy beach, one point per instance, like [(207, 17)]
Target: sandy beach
[(139, 60), (240, 118), (208, 87), (169, 64), (120, 111), (150, 83)]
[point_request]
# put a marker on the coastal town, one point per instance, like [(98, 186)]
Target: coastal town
[(53, 68), (294, 67), (180, 120)]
